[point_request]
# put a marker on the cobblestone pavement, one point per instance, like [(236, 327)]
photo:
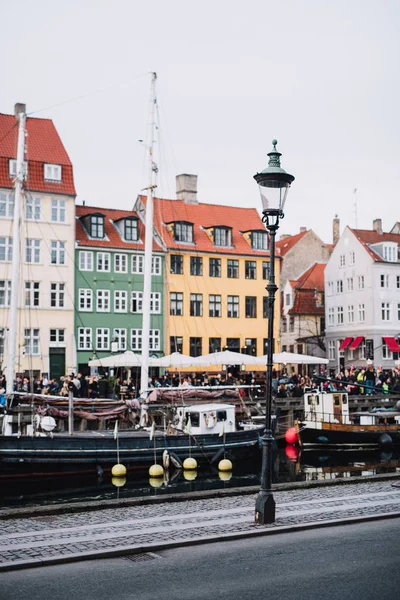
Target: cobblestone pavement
[(40, 538)]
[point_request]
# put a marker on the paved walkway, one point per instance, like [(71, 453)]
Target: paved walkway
[(48, 539)]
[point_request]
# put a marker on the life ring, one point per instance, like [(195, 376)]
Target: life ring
[(210, 419)]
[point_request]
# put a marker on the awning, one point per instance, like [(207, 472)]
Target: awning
[(346, 342), (392, 344), (356, 342)]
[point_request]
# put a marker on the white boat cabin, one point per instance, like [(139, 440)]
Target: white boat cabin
[(208, 418), (328, 408)]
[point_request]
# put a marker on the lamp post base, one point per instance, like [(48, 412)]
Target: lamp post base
[(265, 508)]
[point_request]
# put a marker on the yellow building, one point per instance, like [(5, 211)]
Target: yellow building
[(217, 268)]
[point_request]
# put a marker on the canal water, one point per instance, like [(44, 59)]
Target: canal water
[(289, 465)]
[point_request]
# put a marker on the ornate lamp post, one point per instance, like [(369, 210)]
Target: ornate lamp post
[(273, 184)]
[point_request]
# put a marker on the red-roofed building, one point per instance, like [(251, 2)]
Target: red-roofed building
[(46, 307), (362, 298)]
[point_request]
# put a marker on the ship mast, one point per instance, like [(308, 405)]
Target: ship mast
[(148, 247), (15, 268)]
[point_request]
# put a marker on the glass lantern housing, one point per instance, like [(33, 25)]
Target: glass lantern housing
[(274, 184)]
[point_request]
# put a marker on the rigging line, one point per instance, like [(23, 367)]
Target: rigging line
[(92, 93), (9, 131)]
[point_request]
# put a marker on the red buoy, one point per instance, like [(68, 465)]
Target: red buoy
[(291, 436), (292, 452)]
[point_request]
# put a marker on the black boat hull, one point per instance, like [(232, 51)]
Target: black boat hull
[(336, 437)]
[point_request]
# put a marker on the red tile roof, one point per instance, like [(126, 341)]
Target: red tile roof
[(313, 278), (43, 145), (113, 238), (287, 244), (307, 289), (203, 216), (367, 237)]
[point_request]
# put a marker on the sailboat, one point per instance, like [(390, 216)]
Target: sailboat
[(32, 440)]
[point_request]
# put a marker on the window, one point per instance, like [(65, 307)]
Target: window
[(360, 282), (85, 338), (284, 347), (85, 261), (196, 265), (250, 269), (12, 168), (215, 267), (156, 265), (233, 269), (288, 299), (32, 251), (214, 345), (119, 336), (120, 301), (120, 263), (57, 210), (31, 340), (5, 293), (330, 288), (32, 208), (385, 311), (340, 315), (176, 264), (361, 312), (291, 324), (196, 305), (233, 344), (342, 260), (138, 264), (350, 284), (284, 321), (250, 346), (176, 304), (350, 313), (322, 325), (331, 350), (251, 307), (386, 353), (215, 305), (97, 226), (103, 300), (136, 302), (398, 311), (291, 348), (136, 340), (390, 253), (175, 344), (233, 306), (102, 338), (265, 312), (299, 348), (57, 252), (57, 295), (6, 246), (352, 258), (52, 172), (339, 286), (155, 303), (398, 282), (57, 336), (384, 281), (222, 236), (131, 230), (6, 205), (103, 262), (259, 240), (266, 270), (195, 345), (32, 290), (154, 339), (183, 232), (331, 316)]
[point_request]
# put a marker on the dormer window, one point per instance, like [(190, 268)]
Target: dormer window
[(222, 236), (52, 172), (390, 252), (183, 232), (96, 225), (259, 240), (131, 230), (12, 168)]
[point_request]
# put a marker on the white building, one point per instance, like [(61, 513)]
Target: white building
[(45, 318), (362, 298)]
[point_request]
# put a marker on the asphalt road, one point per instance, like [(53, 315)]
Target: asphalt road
[(357, 562)]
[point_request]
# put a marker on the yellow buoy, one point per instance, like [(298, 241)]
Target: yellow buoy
[(118, 471), (225, 465), (190, 475), (156, 471), (118, 481), (225, 475), (156, 482), (189, 464)]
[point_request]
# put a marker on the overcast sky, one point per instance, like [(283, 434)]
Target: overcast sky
[(322, 77)]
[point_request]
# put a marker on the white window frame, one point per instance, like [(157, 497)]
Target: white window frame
[(32, 251), (330, 288), (176, 301), (120, 263), (120, 336), (12, 168), (350, 313), (52, 172), (103, 301), (137, 297), (342, 260), (339, 286), (32, 341), (350, 284), (352, 258), (120, 301), (155, 303), (154, 340), (340, 315), (85, 338), (85, 300), (361, 313), (386, 310), (331, 350), (102, 338), (85, 260), (32, 294), (103, 262), (8, 202), (7, 244), (360, 282), (57, 252), (384, 280), (331, 317), (136, 340), (33, 208), (5, 293), (58, 210), (156, 265), (137, 264), (57, 290), (59, 336)]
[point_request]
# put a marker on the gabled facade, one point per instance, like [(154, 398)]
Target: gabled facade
[(109, 275), (46, 291), (362, 298), (217, 267)]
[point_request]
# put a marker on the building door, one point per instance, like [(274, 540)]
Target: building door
[(57, 362)]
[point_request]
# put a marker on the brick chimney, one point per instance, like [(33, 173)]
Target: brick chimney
[(303, 229), (186, 188), (19, 107), (377, 226), (336, 230), (283, 236)]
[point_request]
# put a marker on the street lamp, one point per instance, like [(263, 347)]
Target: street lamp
[(274, 184)]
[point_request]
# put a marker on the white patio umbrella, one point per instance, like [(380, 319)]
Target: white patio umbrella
[(227, 357), (176, 359), (291, 358), (126, 360)]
